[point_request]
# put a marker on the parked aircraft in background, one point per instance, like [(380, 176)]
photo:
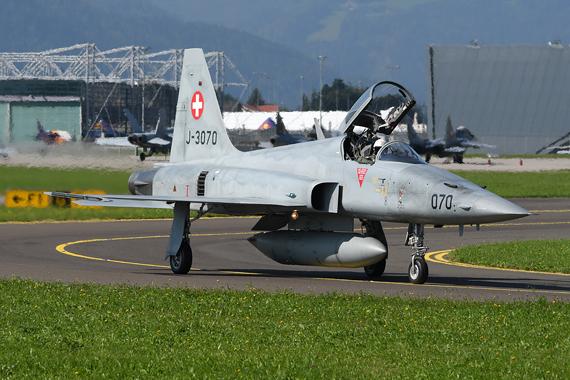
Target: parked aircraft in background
[(53, 137), (283, 137), (453, 145), (308, 193), (158, 141), (5, 151)]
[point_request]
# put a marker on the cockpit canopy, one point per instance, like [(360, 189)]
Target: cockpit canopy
[(398, 151), (380, 109)]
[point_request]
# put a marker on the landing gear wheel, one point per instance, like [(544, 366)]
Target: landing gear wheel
[(182, 261), (375, 270), (142, 156), (418, 273)]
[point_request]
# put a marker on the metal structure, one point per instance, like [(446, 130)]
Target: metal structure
[(515, 97), (130, 65)]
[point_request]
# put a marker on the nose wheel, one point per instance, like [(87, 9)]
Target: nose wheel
[(418, 269)]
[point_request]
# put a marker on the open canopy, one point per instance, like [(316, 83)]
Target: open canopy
[(380, 109)]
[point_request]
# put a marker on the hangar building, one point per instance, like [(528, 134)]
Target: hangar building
[(72, 88), (514, 97)]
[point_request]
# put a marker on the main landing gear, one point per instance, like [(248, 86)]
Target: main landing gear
[(182, 261), (418, 270), (374, 229), (179, 251)]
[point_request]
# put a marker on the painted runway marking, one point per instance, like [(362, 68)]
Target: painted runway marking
[(439, 257), (436, 257)]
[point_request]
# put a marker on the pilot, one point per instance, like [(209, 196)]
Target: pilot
[(379, 143)]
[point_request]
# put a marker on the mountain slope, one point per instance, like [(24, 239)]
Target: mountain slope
[(62, 23)]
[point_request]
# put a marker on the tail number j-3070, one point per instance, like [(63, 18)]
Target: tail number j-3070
[(202, 137), (438, 201)]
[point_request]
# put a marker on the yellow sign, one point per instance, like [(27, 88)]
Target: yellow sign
[(23, 198)]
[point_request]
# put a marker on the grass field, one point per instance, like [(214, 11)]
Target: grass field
[(54, 330), (545, 184), (551, 256)]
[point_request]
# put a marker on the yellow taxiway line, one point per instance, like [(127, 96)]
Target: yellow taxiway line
[(436, 257)]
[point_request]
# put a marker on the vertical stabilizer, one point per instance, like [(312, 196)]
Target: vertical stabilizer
[(162, 125), (134, 124), (199, 130), (449, 132), (412, 135)]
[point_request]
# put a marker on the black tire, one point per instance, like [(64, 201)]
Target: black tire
[(420, 272), (182, 261), (142, 156), (428, 157), (375, 270)]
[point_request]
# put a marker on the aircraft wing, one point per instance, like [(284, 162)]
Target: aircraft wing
[(455, 149), (157, 201), (471, 144), (158, 141), (113, 141)]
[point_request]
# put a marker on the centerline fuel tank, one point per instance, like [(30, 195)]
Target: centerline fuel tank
[(331, 249)]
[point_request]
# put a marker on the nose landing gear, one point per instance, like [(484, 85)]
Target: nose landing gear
[(418, 269)]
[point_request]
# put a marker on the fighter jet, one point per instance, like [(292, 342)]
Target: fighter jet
[(283, 137), (307, 194), (453, 145), (158, 141)]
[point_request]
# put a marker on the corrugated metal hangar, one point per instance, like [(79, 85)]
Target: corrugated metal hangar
[(19, 116), (515, 97)]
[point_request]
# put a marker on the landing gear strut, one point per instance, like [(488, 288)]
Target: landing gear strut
[(374, 229), (418, 270), (179, 251), (182, 261)]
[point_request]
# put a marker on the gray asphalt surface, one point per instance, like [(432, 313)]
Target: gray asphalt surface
[(133, 252)]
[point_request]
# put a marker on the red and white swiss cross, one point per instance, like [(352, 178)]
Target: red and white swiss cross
[(197, 105)]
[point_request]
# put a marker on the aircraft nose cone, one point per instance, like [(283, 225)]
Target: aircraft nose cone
[(491, 209)]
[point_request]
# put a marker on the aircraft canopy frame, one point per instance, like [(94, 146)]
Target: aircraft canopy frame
[(381, 108)]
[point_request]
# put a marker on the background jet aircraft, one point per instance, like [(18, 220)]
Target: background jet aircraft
[(309, 193), (158, 141), (454, 144), (283, 137)]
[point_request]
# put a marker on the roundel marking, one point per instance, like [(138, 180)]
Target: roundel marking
[(197, 105)]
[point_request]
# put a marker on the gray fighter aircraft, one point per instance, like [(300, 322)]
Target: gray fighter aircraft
[(454, 144), (308, 194), (158, 141)]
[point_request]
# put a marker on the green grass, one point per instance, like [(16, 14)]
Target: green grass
[(544, 184), (537, 255), (55, 330), (30, 214), (524, 156), (49, 179)]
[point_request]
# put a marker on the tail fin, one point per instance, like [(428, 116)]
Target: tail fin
[(412, 135), (319, 129), (449, 132), (199, 130), (162, 124), (134, 125)]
